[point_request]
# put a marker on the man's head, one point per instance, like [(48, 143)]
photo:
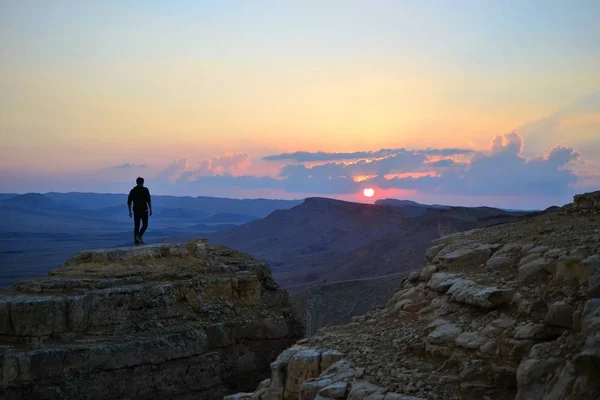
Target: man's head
[(139, 181)]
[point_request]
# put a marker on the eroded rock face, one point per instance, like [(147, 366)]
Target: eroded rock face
[(156, 321), (509, 312), (306, 373)]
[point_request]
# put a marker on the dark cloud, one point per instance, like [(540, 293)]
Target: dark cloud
[(304, 156)]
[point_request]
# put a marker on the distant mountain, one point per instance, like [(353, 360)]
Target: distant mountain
[(408, 203), (181, 213), (208, 205), (32, 200), (4, 196), (325, 240), (221, 218)]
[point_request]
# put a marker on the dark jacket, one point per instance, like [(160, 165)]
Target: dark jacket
[(140, 197)]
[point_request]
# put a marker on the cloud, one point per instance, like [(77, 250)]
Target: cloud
[(129, 166), (510, 143), (173, 171), (304, 156), (500, 171), (180, 171), (503, 171)]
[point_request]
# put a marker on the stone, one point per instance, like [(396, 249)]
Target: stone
[(401, 304), (560, 314), (433, 251), (426, 272), (415, 306), (470, 340), (484, 297), (498, 262), (363, 389), (336, 390), (532, 376), (489, 349), (530, 331), (515, 349), (554, 253), (469, 255), (509, 250), (303, 365), (529, 258), (433, 325), (438, 278), (444, 334), (570, 267), (504, 323), (539, 250), (594, 287), (539, 268)]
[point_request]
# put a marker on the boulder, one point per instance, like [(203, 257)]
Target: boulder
[(498, 262), (469, 255), (594, 287), (539, 268), (471, 340), (444, 334), (574, 266), (530, 331), (426, 272), (467, 292), (560, 314)]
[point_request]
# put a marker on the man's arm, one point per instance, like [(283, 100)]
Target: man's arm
[(129, 201), (149, 200)]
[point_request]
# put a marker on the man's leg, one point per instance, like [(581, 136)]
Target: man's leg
[(144, 217), (136, 226)]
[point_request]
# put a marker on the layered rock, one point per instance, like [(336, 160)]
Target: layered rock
[(506, 312), (166, 321)]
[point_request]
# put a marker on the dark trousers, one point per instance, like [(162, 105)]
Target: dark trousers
[(140, 216)]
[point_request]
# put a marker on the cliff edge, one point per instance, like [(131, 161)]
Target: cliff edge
[(510, 311), (172, 321)]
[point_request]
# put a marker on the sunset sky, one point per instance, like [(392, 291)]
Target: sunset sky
[(456, 102)]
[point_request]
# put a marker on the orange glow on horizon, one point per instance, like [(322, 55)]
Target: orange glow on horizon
[(362, 178), (410, 175)]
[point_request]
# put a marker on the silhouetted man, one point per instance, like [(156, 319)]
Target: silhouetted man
[(140, 197)]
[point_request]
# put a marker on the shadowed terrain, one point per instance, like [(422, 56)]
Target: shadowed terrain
[(325, 240)]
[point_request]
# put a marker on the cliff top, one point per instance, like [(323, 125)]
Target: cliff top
[(105, 268)]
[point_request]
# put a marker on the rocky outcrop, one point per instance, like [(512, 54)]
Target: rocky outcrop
[(164, 321), (587, 201), (506, 312), (305, 373)]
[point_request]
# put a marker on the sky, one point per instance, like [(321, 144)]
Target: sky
[(462, 102)]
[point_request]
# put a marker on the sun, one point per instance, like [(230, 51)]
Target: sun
[(369, 192)]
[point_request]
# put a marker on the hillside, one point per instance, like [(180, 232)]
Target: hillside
[(505, 312), (326, 240)]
